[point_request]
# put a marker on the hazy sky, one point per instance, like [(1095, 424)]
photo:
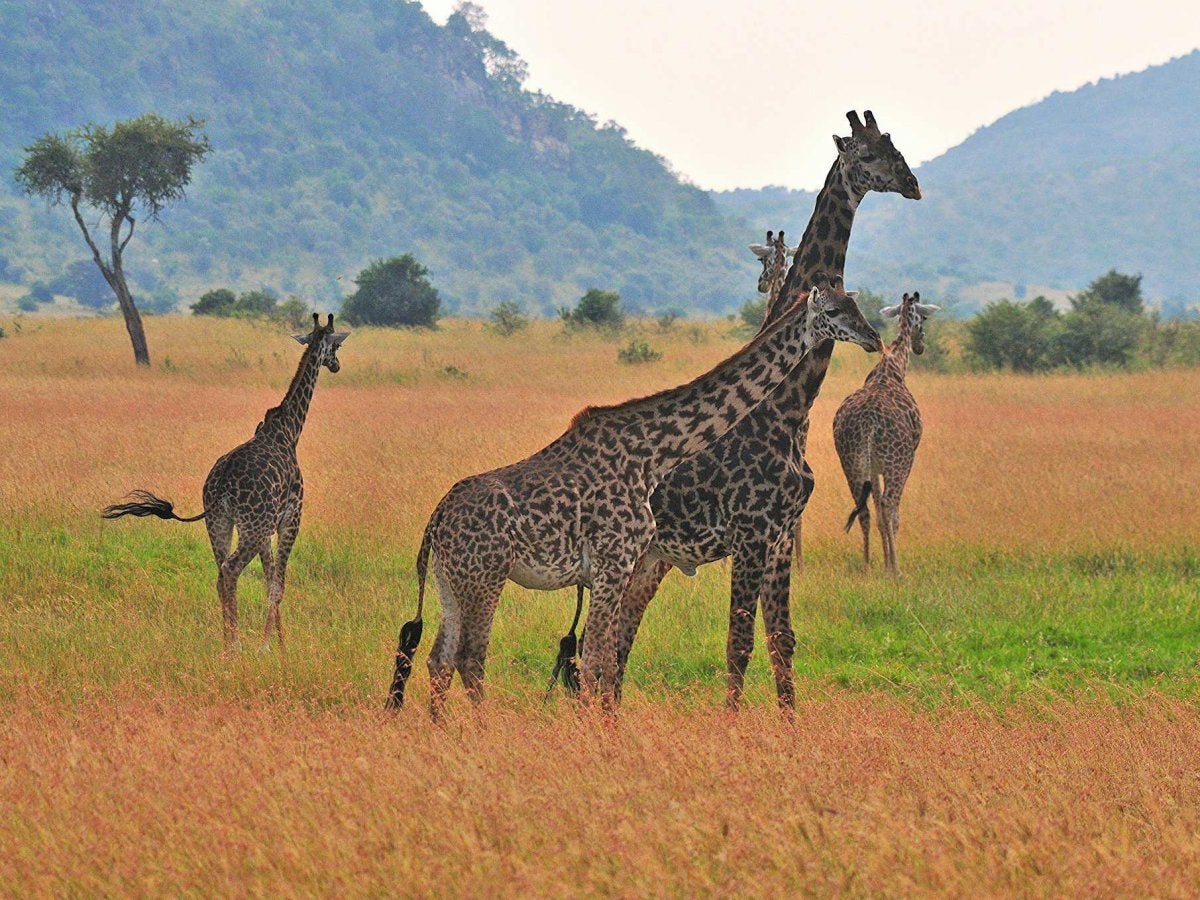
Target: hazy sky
[(742, 94)]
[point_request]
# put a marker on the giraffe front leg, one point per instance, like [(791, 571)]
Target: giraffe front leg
[(642, 587), (289, 528), (777, 620), (749, 559)]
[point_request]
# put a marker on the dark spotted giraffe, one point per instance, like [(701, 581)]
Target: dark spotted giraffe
[(743, 497), (578, 511), (257, 489), (877, 430)]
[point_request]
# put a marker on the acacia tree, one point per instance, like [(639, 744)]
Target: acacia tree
[(140, 165)]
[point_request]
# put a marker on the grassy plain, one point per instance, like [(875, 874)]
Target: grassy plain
[(1016, 713)]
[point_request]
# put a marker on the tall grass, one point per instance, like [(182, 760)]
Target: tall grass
[(1016, 714)]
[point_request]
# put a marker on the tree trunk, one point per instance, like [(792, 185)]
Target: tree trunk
[(133, 320)]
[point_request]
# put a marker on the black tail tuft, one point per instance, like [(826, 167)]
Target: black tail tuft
[(144, 503), (860, 507), (410, 639)]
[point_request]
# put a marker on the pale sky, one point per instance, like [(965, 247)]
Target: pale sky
[(743, 94)]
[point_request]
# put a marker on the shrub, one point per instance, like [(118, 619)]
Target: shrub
[(393, 292), (638, 352), (294, 313), (666, 322), (753, 313), (28, 303), (596, 309), (1020, 336), (219, 302), (507, 319)]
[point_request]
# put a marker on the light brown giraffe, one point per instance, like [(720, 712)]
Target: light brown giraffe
[(257, 489), (578, 511), (877, 430), (774, 255)]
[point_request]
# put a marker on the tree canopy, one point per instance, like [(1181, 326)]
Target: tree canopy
[(393, 291)]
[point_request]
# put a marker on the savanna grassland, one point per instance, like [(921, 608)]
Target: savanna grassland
[(1018, 713)]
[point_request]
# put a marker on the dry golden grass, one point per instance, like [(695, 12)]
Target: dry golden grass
[(1063, 461), (134, 760), (857, 796)]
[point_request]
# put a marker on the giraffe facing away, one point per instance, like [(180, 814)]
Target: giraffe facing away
[(578, 511), (774, 255), (257, 489), (877, 430), (743, 496)]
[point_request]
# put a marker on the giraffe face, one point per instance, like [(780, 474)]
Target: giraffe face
[(329, 348), (874, 164), (833, 315)]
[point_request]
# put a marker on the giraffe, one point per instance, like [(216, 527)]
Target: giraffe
[(877, 430), (578, 510), (774, 255), (257, 489), (744, 495)]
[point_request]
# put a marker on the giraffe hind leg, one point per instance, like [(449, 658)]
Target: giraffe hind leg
[(288, 529), (227, 580)]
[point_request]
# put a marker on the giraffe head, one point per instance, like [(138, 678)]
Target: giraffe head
[(774, 255), (914, 314), (326, 342), (871, 161), (833, 315)]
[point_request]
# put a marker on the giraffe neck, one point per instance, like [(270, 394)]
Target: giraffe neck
[(895, 361), (823, 247), (293, 410), (662, 430)]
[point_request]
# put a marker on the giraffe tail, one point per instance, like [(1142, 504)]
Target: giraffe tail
[(860, 506), (410, 632), (144, 503)]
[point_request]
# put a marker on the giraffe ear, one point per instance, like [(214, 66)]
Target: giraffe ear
[(890, 312), (339, 336), (853, 295), (843, 144), (791, 251), (926, 309), (303, 338), (760, 250)]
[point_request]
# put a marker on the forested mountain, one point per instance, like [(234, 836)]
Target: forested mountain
[(347, 131), (1050, 195)]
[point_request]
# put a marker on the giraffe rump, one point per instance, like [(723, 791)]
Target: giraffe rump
[(144, 503), (860, 505)]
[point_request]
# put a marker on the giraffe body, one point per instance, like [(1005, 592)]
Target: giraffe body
[(877, 430), (578, 511), (744, 496), (256, 489)]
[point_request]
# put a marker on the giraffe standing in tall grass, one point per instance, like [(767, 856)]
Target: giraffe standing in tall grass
[(877, 430), (257, 489), (744, 496), (578, 511)]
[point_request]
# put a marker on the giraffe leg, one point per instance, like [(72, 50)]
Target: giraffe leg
[(890, 516), (227, 579), (479, 611), (220, 536), (746, 582), (877, 502), (445, 645), (598, 668), (777, 620), (289, 528), (267, 556), (638, 594)]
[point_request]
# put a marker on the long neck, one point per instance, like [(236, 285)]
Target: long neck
[(823, 247), (896, 359), (289, 423), (666, 428)]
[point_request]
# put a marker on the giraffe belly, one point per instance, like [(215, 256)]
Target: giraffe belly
[(542, 577)]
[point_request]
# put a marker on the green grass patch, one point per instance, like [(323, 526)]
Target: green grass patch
[(100, 610)]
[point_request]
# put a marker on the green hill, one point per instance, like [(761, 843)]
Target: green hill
[(347, 131), (1049, 196)]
